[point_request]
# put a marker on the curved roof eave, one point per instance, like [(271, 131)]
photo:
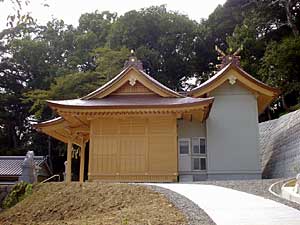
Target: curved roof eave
[(55, 121), (202, 88), (69, 104), (118, 77)]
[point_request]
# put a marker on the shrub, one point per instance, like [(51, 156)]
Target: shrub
[(19, 191)]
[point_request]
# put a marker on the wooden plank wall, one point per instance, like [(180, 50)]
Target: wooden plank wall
[(136, 89), (133, 149)]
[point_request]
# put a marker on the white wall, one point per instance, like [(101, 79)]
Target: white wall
[(232, 134), (190, 129)]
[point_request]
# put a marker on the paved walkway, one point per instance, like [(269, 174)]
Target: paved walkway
[(230, 207)]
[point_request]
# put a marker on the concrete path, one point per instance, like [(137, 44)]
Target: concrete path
[(230, 207)]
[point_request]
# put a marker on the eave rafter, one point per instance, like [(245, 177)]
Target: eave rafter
[(79, 130), (63, 130), (89, 115), (199, 112)]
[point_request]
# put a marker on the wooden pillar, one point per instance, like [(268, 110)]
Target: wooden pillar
[(82, 159), (69, 162)]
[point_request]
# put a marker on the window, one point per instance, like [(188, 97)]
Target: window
[(184, 146), (198, 153), (202, 146), (198, 146), (193, 149), (198, 163)]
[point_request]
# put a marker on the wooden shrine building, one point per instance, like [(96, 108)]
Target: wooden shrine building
[(141, 131)]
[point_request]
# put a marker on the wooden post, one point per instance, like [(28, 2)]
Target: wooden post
[(69, 162), (82, 159)]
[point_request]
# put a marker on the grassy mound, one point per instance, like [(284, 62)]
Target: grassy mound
[(93, 203), (19, 191)]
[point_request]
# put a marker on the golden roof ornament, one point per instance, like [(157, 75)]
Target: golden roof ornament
[(228, 58), (133, 61)]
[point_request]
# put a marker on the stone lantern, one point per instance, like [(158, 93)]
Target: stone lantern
[(29, 169)]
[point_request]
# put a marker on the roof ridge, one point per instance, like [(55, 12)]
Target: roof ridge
[(20, 156), (238, 69), (121, 75)]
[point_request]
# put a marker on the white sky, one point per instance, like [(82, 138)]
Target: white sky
[(70, 10)]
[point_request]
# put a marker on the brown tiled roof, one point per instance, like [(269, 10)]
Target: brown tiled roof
[(131, 102), (12, 165)]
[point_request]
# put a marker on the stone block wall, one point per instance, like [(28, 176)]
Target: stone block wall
[(280, 146)]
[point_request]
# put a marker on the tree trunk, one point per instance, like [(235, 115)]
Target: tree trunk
[(289, 16)]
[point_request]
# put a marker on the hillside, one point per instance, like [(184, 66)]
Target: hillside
[(93, 203)]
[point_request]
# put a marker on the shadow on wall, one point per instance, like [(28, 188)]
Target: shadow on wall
[(280, 146)]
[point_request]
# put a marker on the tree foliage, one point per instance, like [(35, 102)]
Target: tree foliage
[(165, 41), (281, 67)]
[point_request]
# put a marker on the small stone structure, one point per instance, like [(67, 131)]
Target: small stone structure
[(29, 169), (280, 146)]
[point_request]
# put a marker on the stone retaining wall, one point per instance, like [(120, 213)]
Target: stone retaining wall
[(280, 146)]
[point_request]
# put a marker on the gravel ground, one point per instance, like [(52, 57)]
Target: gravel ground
[(256, 187), (194, 214)]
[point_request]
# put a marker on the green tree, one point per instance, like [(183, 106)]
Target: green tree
[(110, 62), (246, 36), (164, 41), (278, 14), (19, 17), (14, 122), (215, 30), (91, 33), (280, 67), (98, 23)]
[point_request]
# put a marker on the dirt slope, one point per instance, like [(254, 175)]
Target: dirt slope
[(93, 203)]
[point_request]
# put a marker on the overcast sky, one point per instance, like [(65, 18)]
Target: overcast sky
[(70, 10)]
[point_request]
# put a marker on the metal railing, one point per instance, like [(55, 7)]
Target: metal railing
[(275, 188), (50, 178)]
